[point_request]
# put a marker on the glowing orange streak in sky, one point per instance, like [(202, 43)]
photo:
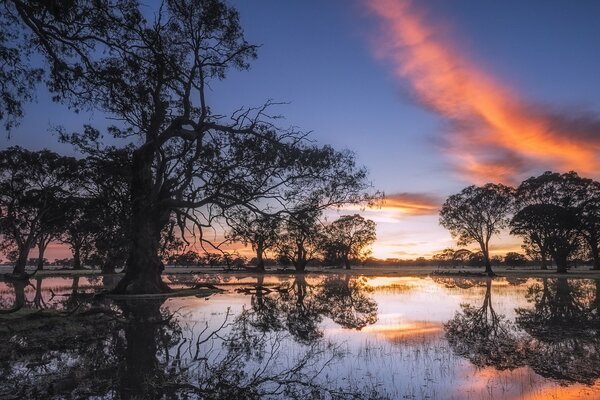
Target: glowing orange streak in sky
[(452, 87)]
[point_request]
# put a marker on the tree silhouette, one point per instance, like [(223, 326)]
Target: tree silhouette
[(554, 227), (189, 162), (301, 237), (33, 186), (537, 199), (261, 231), (589, 219), (476, 214), (348, 237)]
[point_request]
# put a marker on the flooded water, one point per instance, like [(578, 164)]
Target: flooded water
[(280, 337)]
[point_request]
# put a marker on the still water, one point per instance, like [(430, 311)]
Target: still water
[(313, 336)]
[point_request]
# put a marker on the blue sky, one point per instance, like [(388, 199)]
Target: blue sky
[(334, 62)]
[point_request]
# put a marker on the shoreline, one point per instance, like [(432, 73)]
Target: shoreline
[(388, 271)]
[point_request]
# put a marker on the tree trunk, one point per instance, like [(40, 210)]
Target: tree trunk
[(19, 269), (596, 257), (260, 263), (144, 267), (487, 263), (346, 262), (41, 250), (300, 265), (544, 260), (77, 257), (108, 267), (561, 263)]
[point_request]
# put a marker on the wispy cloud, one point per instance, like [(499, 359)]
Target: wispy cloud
[(412, 203), (494, 134)]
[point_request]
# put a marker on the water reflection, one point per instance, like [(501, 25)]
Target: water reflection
[(332, 336), (299, 307), (558, 336), (143, 350)]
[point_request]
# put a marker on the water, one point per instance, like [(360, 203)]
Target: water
[(329, 336)]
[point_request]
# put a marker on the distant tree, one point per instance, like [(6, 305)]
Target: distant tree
[(514, 259), (589, 219), (32, 187), (476, 214), (261, 231), (347, 238), (445, 257), (108, 210), (189, 258), (79, 228), (302, 234)]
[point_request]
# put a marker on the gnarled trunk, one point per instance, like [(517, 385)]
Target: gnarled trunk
[(41, 251), (346, 262), (561, 263), (21, 262), (76, 257), (260, 263), (144, 267)]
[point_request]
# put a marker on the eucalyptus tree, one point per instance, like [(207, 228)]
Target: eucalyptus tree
[(549, 214), (260, 231), (589, 221), (188, 162), (476, 214), (348, 237), (301, 238), (33, 185)]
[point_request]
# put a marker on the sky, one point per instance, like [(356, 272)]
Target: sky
[(431, 95)]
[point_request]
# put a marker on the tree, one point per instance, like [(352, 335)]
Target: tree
[(556, 227), (567, 191), (476, 214), (514, 259), (109, 207), (81, 223), (300, 240), (33, 185), (189, 162), (348, 238), (260, 231), (589, 219)]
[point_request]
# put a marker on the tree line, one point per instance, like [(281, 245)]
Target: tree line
[(84, 204), (556, 215)]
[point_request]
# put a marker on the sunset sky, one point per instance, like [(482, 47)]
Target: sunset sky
[(432, 95)]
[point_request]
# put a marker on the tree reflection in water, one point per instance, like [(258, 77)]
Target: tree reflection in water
[(139, 350), (483, 336), (564, 329), (558, 337), (300, 307)]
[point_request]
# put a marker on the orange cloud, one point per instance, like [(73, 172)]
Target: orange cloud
[(412, 203), (495, 134)]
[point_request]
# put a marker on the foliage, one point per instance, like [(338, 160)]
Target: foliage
[(348, 238), (476, 214)]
